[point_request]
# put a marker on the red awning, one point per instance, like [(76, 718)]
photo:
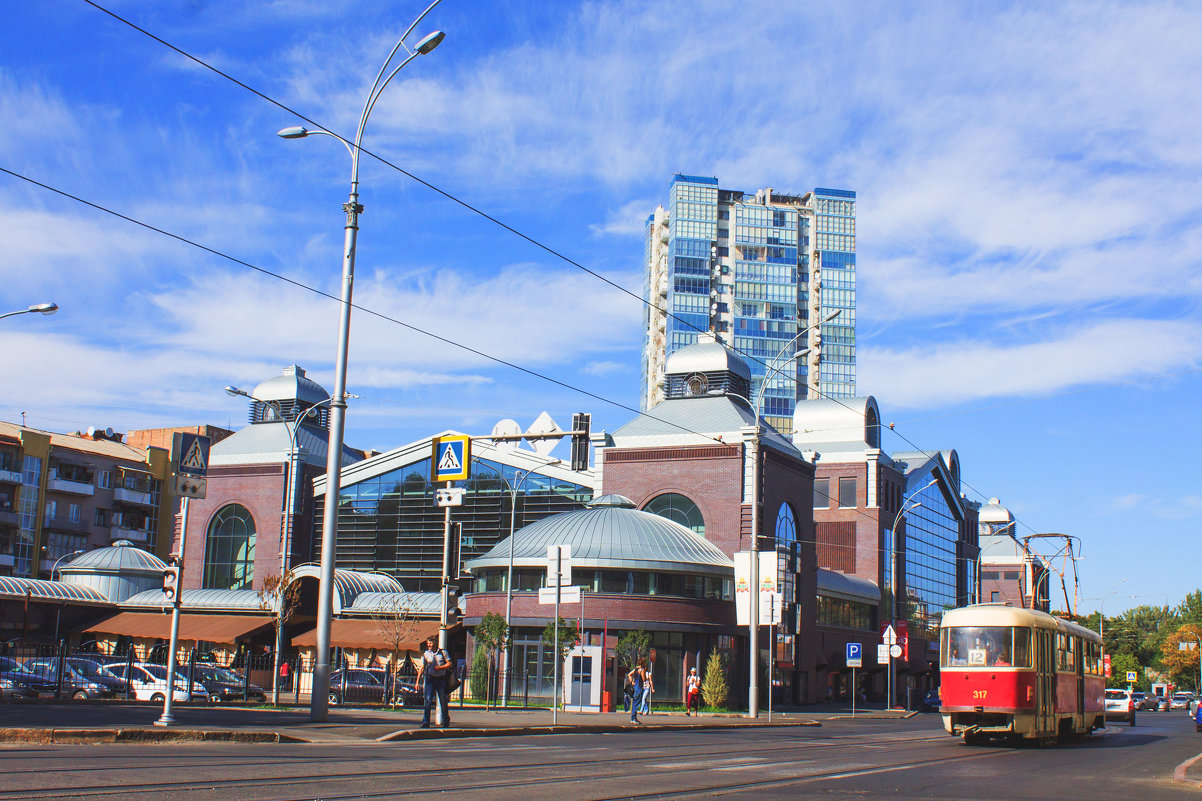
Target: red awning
[(224, 629), (360, 633)]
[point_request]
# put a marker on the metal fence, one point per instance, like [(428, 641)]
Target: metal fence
[(33, 671)]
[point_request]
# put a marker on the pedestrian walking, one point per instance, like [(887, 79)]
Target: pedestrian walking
[(648, 688), (693, 693), (432, 675), (637, 679)]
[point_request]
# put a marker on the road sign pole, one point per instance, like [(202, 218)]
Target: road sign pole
[(167, 719), (443, 614), (853, 692), (555, 657)]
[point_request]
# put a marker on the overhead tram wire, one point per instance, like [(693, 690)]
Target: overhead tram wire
[(364, 309), (395, 321), (492, 219)]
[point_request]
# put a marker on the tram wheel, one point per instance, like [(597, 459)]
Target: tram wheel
[(974, 738)]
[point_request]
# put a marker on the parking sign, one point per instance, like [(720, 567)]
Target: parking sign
[(855, 655)]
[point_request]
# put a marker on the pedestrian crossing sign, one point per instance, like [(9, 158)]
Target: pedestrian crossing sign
[(452, 458)]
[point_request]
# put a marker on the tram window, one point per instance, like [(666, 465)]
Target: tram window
[(986, 646), (1022, 648)]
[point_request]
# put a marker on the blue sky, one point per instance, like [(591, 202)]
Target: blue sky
[(1028, 228)]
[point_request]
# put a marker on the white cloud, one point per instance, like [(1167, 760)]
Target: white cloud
[(629, 220), (605, 368), (1108, 351)]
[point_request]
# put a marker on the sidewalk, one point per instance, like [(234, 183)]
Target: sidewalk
[(134, 722)]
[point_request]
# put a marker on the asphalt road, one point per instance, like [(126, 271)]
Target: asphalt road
[(910, 759)]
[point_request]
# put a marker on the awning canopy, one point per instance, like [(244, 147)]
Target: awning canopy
[(224, 629), (367, 633)]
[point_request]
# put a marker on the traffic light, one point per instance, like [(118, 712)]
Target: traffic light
[(580, 435), (454, 613), (171, 583)]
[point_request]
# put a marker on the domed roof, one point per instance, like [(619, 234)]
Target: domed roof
[(120, 557), (615, 535), (291, 385), (707, 355), (994, 512)]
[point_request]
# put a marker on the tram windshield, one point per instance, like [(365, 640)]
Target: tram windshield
[(985, 646)]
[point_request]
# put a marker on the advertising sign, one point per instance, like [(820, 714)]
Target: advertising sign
[(769, 583)]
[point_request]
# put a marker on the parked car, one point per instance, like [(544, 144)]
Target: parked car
[(76, 684), (1120, 706), (1149, 702), (149, 682), (17, 682), (1198, 718), (373, 685), (1180, 700), (95, 671), (223, 686), (931, 702)]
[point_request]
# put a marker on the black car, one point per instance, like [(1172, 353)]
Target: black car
[(223, 686), (372, 686), (82, 679), (14, 681)]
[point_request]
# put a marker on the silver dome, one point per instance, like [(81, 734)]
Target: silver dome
[(291, 385)]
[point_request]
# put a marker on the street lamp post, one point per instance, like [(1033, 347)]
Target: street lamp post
[(753, 617), (319, 703), (61, 558), (289, 510), (39, 308), (906, 506)]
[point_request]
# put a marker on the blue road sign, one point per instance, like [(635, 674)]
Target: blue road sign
[(855, 654), (452, 458)]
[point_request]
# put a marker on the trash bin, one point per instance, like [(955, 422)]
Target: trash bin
[(607, 701)]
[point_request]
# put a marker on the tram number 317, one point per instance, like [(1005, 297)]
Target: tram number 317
[(980, 694)]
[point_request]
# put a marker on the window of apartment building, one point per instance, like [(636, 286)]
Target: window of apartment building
[(995, 597), (822, 493), (51, 509), (105, 479), (847, 492), (723, 214), (102, 517), (723, 250), (74, 511)]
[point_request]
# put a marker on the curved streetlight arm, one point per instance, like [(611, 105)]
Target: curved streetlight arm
[(38, 308), (61, 558)]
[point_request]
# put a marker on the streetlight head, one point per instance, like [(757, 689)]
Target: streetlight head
[(233, 391), (832, 315), (429, 42), (294, 132), (44, 308)]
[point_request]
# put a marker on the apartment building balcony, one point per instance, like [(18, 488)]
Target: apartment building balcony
[(10, 476), (63, 524), (123, 495), (131, 534), (72, 487), (9, 517)]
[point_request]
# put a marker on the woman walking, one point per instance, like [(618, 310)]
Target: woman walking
[(638, 680)]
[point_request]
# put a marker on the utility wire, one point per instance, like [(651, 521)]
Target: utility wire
[(501, 224)]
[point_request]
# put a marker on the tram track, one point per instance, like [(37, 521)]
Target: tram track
[(416, 780)]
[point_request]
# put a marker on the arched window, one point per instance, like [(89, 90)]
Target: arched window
[(230, 550), (786, 525), (679, 509)]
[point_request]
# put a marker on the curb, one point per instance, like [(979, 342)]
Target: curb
[(1179, 772), (140, 735)]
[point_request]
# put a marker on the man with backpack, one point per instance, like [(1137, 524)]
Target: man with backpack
[(436, 664)]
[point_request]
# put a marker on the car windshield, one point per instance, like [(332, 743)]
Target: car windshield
[(1115, 695), (8, 663), (160, 672), (216, 674)]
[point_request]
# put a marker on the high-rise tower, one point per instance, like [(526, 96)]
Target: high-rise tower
[(754, 269)]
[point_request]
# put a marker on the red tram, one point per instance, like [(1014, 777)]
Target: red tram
[(1018, 673)]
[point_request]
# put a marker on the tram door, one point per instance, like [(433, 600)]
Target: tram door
[(1079, 714), (1045, 680)]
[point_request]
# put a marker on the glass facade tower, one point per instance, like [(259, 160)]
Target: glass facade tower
[(755, 270)]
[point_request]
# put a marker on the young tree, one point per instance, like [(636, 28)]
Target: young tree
[(715, 686), (569, 633), (480, 677), (1181, 654), (632, 646), (397, 624), (492, 636), (280, 596)]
